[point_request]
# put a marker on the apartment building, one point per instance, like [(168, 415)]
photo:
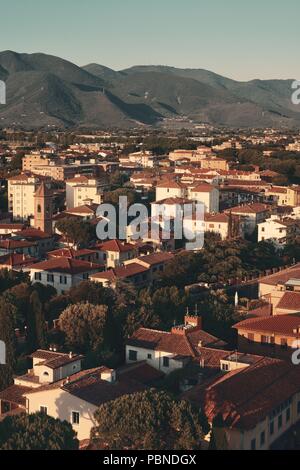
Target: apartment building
[(279, 231), (21, 191), (259, 401), (82, 190)]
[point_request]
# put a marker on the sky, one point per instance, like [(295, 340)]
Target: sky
[(240, 39)]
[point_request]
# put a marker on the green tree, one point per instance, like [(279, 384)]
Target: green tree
[(36, 432), (7, 335), (149, 420), (85, 326), (76, 231), (38, 333)]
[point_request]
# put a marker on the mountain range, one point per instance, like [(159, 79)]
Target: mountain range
[(45, 91)]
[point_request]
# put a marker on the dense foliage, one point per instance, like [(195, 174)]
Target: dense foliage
[(36, 432), (149, 420)]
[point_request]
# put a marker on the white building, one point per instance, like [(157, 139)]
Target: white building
[(21, 190), (83, 189), (276, 230), (62, 273), (169, 351), (207, 195)]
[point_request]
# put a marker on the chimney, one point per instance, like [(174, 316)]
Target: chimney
[(109, 375), (193, 321)]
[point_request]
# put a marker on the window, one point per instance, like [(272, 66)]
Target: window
[(253, 444), (50, 278), (132, 355), (149, 356), (272, 428), (166, 362), (63, 279), (38, 276), (250, 337), (75, 417), (39, 209), (225, 367), (46, 374), (288, 414), (262, 438), (279, 421), (44, 409)]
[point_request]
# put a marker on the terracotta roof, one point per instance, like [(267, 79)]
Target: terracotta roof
[(13, 244), (170, 184), (92, 389), (203, 188), (248, 396), (70, 253), (279, 324), (283, 276), (116, 246), (141, 372), (12, 226), (173, 200), (250, 208), (290, 301), (84, 209), (129, 270), (14, 394), (33, 234), (15, 260), (221, 218), (156, 258), (65, 265), (176, 343)]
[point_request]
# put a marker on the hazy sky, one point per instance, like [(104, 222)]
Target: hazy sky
[(242, 39)]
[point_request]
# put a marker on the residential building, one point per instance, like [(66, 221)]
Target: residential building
[(279, 231), (62, 273), (170, 351), (21, 191), (251, 215), (258, 403), (58, 387), (273, 336), (83, 189)]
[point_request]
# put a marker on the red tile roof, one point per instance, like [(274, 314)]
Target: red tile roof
[(290, 301), (279, 324), (156, 258), (283, 276), (203, 188), (66, 265), (16, 260), (121, 272), (255, 208), (33, 234), (247, 396), (13, 244), (116, 246), (177, 343), (14, 394)]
